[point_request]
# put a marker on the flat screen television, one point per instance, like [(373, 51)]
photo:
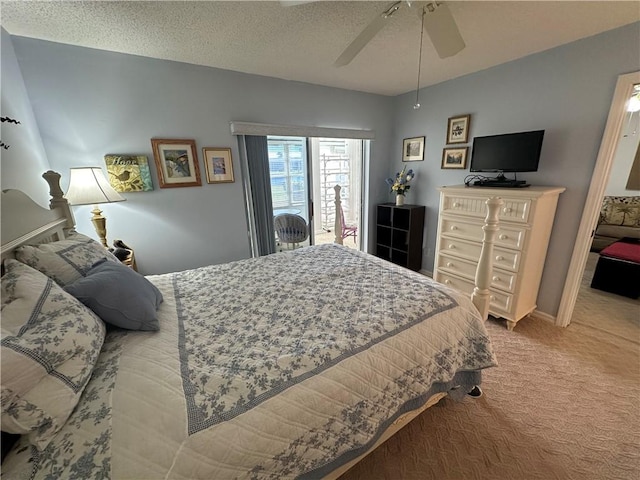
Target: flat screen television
[(510, 152)]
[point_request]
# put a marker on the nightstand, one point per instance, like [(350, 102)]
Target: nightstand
[(124, 253), (130, 260)]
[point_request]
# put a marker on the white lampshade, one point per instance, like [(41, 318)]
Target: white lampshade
[(88, 186)]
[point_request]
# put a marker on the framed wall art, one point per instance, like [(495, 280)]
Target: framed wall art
[(129, 173), (218, 164), (455, 157), (177, 162), (413, 149), (458, 129)]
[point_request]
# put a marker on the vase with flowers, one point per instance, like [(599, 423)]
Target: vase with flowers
[(400, 184)]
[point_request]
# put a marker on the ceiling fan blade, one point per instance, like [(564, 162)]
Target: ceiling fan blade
[(365, 36), (443, 31), (360, 42)]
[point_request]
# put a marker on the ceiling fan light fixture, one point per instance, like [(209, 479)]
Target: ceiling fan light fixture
[(439, 25), (634, 103)]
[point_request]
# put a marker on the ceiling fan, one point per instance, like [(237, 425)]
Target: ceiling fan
[(438, 23)]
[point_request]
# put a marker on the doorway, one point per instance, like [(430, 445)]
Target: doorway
[(613, 131)]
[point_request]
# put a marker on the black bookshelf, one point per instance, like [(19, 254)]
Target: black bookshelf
[(399, 234)]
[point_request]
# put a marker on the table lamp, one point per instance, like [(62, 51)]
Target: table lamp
[(88, 186)]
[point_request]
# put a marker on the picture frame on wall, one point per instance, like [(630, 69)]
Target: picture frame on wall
[(129, 173), (177, 162), (458, 129), (413, 149), (218, 164), (455, 157)]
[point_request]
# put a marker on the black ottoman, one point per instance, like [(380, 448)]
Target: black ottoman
[(618, 269)]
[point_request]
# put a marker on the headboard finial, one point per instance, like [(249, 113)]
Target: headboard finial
[(53, 179), (57, 198)]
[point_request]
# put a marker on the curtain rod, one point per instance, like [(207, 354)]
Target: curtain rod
[(249, 128)]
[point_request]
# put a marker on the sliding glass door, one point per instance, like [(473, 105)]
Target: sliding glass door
[(303, 174), (290, 191), (337, 161)]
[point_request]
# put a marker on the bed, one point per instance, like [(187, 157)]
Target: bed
[(292, 365)]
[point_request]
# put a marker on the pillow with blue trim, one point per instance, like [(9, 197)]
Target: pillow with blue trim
[(119, 295), (50, 344), (66, 260)]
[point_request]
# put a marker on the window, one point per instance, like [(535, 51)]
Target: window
[(288, 172)]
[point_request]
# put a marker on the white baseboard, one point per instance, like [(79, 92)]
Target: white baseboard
[(537, 314)]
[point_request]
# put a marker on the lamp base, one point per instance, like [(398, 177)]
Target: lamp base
[(100, 224)]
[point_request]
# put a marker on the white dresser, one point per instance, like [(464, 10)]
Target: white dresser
[(520, 248)]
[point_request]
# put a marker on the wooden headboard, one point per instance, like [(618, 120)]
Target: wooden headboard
[(26, 222)]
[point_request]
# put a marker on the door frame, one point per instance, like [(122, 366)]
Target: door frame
[(593, 202)]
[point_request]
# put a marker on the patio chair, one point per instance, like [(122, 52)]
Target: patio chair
[(347, 230), (291, 228)]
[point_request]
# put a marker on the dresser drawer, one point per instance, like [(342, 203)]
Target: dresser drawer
[(500, 279), (513, 209), (502, 258), (499, 302), (510, 236)]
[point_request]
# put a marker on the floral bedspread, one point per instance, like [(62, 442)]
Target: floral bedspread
[(285, 366)]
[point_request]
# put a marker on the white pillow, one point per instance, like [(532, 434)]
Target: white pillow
[(50, 343), (66, 260)]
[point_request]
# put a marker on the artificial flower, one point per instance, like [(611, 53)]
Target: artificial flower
[(400, 184)]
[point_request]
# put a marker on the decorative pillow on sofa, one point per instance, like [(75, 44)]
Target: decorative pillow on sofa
[(622, 211), (119, 295), (66, 260), (50, 343)]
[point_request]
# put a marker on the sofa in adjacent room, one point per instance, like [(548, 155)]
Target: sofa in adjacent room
[(619, 218)]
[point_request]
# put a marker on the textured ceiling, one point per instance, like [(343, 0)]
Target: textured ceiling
[(301, 42)]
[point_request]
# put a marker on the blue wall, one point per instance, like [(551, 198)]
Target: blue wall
[(25, 146), (565, 91), (89, 103)]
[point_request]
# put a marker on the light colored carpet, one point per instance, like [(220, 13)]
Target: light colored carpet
[(606, 311), (562, 404)]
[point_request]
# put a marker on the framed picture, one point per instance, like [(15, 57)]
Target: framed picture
[(455, 157), (218, 164), (413, 149), (458, 129), (129, 173), (177, 162)]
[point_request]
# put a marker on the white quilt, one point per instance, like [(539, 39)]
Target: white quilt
[(285, 366)]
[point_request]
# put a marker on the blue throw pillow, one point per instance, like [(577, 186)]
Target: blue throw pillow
[(119, 296)]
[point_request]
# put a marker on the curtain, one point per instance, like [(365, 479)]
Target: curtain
[(258, 193)]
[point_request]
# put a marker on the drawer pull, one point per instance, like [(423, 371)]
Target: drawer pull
[(456, 204), (447, 282), (499, 258), (492, 297), (503, 236), (453, 228), (451, 246), (507, 210), (496, 278), (449, 264)]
